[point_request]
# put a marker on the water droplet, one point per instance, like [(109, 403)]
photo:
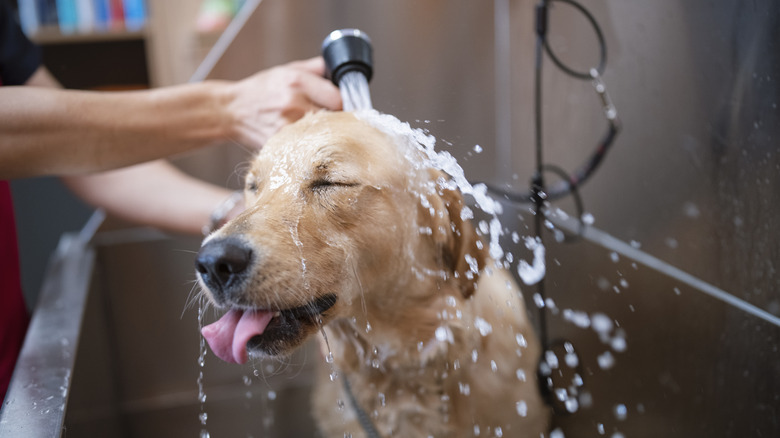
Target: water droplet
[(618, 344), (271, 395), (691, 210), (534, 272), (484, 327), (606, 360), (444, 334), (551, 359), (203, 417), (522, 408), (614, 257), (493, 366), (571, 360), (586, 399), (329, 357), (204, 433), (576, 317), (557, 433), (601, 323), (621, 412), (538, 300), (588, 219), (520, 375)]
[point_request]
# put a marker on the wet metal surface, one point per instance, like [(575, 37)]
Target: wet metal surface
[(35, 403)]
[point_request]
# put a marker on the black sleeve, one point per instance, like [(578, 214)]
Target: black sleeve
[(19, 58)]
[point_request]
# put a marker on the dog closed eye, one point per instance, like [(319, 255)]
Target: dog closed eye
[(321, 185)]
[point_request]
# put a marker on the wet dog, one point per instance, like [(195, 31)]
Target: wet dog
[(349, 230)]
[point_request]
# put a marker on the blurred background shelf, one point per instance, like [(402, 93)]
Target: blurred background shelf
[(162, 47), (50, 35)]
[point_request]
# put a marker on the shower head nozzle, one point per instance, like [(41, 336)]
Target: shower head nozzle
[(347, 50)]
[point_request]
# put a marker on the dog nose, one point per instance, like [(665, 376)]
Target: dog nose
[(221, 262)]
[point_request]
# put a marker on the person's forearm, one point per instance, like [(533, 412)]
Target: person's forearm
[(154, 194), (48, 131)]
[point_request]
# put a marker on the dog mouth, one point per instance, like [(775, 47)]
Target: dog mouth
[(271, 332)]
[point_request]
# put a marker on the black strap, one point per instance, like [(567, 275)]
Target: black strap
[(363, 418)]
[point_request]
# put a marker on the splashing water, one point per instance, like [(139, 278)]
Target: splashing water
[(354, 91), (418, 141), (534, 272)]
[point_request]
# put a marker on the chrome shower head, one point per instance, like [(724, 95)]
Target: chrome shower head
[(347, 50)]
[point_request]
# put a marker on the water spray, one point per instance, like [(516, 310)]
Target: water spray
[(349, 64)]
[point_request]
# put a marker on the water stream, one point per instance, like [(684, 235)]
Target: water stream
[(355, 93), (203, 415)]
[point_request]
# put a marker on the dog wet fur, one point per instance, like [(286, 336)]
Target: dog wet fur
[(346, 229)]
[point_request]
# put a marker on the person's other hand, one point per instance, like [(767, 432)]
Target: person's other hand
[(264, 102)]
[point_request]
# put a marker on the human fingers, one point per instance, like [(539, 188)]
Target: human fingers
[(314, 65), (321, 92)]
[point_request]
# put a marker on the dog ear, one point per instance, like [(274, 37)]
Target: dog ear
[(462, 252)]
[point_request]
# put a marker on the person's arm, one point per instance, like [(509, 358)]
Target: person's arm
[(155, 193), (160, 195), (46, 131)]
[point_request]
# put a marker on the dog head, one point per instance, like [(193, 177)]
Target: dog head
[(342, 220)]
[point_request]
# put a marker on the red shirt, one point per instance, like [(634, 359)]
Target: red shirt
[(13, 312), (19, 59)]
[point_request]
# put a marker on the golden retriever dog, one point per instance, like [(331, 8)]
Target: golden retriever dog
[(351, 236)]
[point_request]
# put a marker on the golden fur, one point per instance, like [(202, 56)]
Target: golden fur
[(429, 347)]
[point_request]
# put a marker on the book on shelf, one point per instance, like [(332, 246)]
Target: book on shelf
[(82, 16)]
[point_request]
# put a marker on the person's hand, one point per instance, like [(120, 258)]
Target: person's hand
[(263, 103)]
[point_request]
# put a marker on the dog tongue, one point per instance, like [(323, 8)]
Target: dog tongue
[(228, 336)]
